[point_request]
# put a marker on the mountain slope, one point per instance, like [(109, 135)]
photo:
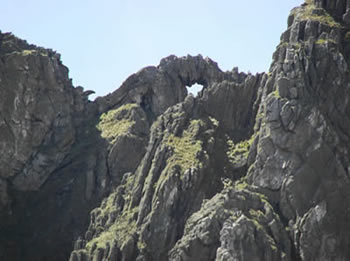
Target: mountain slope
[(255, 167)]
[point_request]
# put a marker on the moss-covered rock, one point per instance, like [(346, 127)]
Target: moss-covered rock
[(255, 167), (116, 122), (186, 148)]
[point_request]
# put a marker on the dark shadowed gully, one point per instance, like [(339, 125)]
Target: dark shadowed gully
[(254, 168)]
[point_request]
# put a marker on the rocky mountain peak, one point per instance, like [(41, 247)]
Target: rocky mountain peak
[(339, 9), (256, 167)]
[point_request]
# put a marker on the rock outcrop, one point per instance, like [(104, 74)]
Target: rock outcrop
[(255, 167)]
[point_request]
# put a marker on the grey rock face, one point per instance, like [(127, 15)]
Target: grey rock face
[(61, 151), (36, 134), (157, 88), (42, 129), (256, 167), (191, 148)]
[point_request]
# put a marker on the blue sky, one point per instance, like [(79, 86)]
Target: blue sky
[(104, 41)]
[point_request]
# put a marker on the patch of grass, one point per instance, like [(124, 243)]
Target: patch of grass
[(297, 46), (283, 45), (115, 123), (308, 14), (185, 148), (141, 244), (347, 37), (324, 41), (32, 52), (258, 217), (263, 198), (321, 41), (126, 225), (257, 224), (121, 230), (276, 94), (241, 185), (27, 52), (272, 243), (239, 149), (108, 205), (260, 115), (128, 186), (227, 183), (257, 214), (214, 121), (185, 151)]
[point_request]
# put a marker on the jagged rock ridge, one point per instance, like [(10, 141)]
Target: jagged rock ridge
[(255, 167)]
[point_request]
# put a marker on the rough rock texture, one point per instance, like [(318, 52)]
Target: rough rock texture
[(255, 168), (189, 153), (45, 126)]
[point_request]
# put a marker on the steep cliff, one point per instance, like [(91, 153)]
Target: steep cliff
[(256, 167)]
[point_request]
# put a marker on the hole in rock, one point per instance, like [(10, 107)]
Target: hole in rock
[(194, 89)]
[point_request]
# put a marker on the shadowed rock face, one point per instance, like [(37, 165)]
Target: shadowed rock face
[(256, 167)]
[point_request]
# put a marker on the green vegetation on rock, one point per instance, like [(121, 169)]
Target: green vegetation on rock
[(185, 151), (239, 149), (214, 121), (114, 123), (27, 52), (108, 205), (347, 37), (256, 216), (122, 229), (124, 225), (324, 41), (276, 94), (308, 13), (227, 183), (241, 184), (186, 147), (32, 52)]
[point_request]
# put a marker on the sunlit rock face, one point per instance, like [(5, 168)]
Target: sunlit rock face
[(254, 167)]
